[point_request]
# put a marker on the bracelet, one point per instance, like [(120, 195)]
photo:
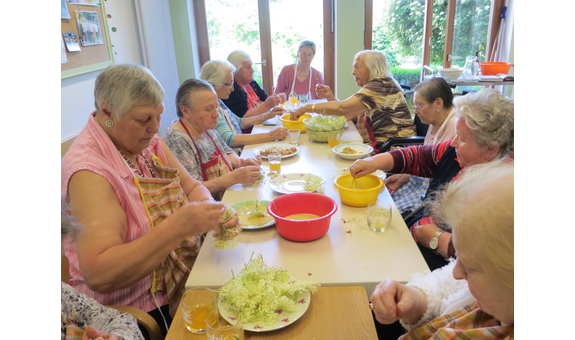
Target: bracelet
[(206, 198), (313, 108)]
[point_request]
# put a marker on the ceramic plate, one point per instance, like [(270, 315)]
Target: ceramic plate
[(344, 171), (291, 183), (259, 149), (248, 225), (284, 318), (362, 149)]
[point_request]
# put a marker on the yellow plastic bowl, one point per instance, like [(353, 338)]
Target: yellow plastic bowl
[(358, 198), (294, 124)]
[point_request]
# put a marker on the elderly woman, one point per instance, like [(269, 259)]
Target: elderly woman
[(307, 77), (433, 103), (248, 99), (472, 297), (82, 314), (484, 132), (200, 148), (220, 74), (134, 251), (379, 106)]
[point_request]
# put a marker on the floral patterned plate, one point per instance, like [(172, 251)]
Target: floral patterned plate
[(284, 318)]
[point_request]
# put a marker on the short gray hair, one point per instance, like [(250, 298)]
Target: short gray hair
[(306, 43), (238, 58), (69, 225), (434, 88), (215, 72), (489, 116), (189, 87), (122, 86), (376, 63)]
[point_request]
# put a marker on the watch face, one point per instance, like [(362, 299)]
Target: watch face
[(433, 244)]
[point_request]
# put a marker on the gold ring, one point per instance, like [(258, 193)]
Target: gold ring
[(371, 306)]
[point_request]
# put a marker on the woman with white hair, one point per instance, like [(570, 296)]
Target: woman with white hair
[(141, 210), (484, 132), (472, 297), (220, 73), (300, 78), (248, 99), (379, 106)]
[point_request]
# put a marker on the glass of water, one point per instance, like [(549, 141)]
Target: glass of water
[(303, 98), (378, 216)]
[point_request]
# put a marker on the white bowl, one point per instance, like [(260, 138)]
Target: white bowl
[(450, 74), (344, 171), (362, 149)]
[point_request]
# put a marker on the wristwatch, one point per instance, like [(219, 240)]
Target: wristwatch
[(434, 243)]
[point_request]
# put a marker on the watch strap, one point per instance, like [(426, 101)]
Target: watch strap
[(436, 239)]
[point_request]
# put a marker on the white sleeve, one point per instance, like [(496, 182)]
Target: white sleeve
[(441, 290)]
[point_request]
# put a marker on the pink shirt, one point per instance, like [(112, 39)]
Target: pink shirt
[(94, 151), (286, 77)]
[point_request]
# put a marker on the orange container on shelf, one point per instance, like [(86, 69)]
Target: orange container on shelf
[(492, 68)]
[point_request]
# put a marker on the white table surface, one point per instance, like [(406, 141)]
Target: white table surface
[(362, 257)]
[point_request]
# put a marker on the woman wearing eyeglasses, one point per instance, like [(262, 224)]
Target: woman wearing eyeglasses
[(220, 73), (433, 103), (300, 78)]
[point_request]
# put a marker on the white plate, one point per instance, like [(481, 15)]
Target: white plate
[(277, 145), (364, 150), (290, 183), (263, 204), (283, 319), (344, 171)]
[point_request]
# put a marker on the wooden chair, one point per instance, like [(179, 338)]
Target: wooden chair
[(144, 319)]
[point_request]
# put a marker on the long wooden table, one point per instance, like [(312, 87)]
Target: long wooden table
[(334, 313), (348, 255)]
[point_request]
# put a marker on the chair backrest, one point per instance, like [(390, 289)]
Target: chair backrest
[(420, 128)]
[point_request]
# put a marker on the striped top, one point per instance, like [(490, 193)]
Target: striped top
[(229, 125), (94, 151)]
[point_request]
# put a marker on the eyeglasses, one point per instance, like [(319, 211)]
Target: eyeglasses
[(418, 108), (229, 85), (304, 55)]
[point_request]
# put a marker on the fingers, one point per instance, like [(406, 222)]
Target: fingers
[(383, 299)]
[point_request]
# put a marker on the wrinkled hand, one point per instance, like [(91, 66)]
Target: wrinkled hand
[(294, 115), (393, 301), (323, 91), (247, 174), (197, 218), (272, 101), (276, 111), (362, 167), (278, 134), (91, 334), (393, 182), (234, 223), (251, 161)]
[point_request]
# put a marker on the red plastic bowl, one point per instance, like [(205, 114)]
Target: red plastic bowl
[(302, 203), (492, 68)]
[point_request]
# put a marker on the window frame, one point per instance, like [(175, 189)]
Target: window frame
[(494, 22), (200, 19)]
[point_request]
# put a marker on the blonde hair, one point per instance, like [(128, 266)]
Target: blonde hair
[(480, 205)]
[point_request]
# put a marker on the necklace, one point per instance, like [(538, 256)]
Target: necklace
[(131, 165)]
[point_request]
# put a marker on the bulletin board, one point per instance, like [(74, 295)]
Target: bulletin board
[(89, 58)]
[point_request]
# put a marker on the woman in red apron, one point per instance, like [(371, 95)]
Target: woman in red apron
[(199, 148)]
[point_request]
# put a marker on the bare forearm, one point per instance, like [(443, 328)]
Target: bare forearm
[(241, 140), (384, 161), (251, 121), (221, 183), (256, 111)]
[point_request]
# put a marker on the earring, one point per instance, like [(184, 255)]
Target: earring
[(109, 123)]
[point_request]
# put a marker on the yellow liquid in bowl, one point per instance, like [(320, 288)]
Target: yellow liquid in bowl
[(333, 142), (302, 217)]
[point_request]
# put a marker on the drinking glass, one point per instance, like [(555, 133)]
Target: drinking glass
[(197, 303), (293, 136), (303, 99), (293, 100), (378, 216), (333, 137), (282, 99), (225, 326), (275, 160)]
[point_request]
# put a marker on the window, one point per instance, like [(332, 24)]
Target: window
[(438, 33), (269, 30)]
